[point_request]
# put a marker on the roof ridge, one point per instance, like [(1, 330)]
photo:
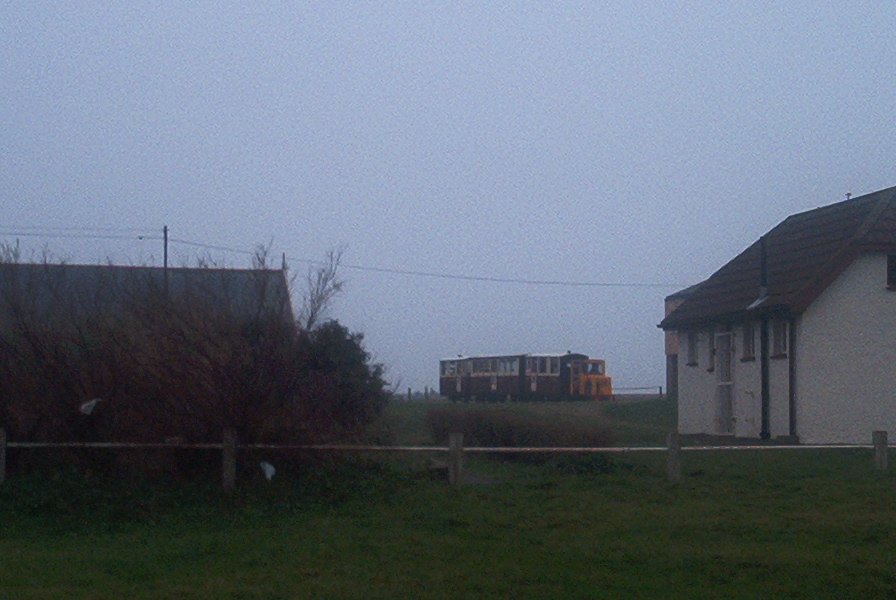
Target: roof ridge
[(170, 268), (839, 203)]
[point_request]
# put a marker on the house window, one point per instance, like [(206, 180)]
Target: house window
[(692, 348), (749, 352), (779, 338), (712, 351), (891, 271)]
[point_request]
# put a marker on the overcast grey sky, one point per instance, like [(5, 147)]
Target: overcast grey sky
[(640, 143)]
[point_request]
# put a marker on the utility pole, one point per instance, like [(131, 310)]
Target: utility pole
[(165, 258)]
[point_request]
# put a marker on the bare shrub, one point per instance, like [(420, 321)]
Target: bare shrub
[(322, 285), (173, 360)]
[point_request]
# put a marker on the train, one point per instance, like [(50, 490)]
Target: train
[(563, 376)]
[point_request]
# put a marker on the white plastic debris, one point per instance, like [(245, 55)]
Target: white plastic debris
[(87, 407), (268, 469)]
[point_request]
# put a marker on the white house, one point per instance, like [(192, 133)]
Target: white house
[(796, 336)]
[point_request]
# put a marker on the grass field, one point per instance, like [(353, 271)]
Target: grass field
[(796, 524)]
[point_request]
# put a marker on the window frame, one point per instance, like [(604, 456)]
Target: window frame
[(779, 338), (748, 331), (891, 272), (693, 341)]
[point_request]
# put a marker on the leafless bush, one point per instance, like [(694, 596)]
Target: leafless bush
[(322, 285), (171, 361)]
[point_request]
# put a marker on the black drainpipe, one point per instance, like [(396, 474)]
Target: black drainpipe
[(763, 359), (763, 343), (791, 371)]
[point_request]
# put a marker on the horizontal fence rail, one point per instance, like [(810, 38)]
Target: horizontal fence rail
[(455, 450), (471, 449), (116, 445)]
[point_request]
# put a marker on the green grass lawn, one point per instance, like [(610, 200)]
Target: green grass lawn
[(792, 524)]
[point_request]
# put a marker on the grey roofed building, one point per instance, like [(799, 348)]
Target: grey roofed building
[(58, 291)]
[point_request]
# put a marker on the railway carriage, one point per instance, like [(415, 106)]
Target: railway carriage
[(524, 377)]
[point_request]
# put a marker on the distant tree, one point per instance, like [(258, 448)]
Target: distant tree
[(322, 285)]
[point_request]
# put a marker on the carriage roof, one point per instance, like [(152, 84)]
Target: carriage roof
[(519, 355)]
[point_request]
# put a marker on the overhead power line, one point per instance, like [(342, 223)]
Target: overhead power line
[(78, 236), (435, 275), (82, 229), (73, 233)]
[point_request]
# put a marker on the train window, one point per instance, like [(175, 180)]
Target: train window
[(542, 364), (594, 368), (531, 365), (514, 365), (555, 365), (493, 366), (449, 368)]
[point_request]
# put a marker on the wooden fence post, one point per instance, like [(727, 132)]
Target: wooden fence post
[(455, 458), (673, 457), (2, 455), (879, 439), (228, 460)]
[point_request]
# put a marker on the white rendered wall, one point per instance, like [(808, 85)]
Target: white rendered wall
[(696, 388), (747, 385), (846, 358), (697, 396), (778, 392)]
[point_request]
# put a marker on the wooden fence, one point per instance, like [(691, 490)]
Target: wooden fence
[(455, 451)]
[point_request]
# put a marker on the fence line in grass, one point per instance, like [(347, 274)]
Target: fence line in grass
[(455, 451)]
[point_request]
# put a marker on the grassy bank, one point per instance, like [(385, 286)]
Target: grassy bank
[(803, 525), (797, 524)]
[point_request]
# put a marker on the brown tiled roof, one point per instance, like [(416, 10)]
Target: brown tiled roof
[(804, 254)]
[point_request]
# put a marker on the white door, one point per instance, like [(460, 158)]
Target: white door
[(724, 385)]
